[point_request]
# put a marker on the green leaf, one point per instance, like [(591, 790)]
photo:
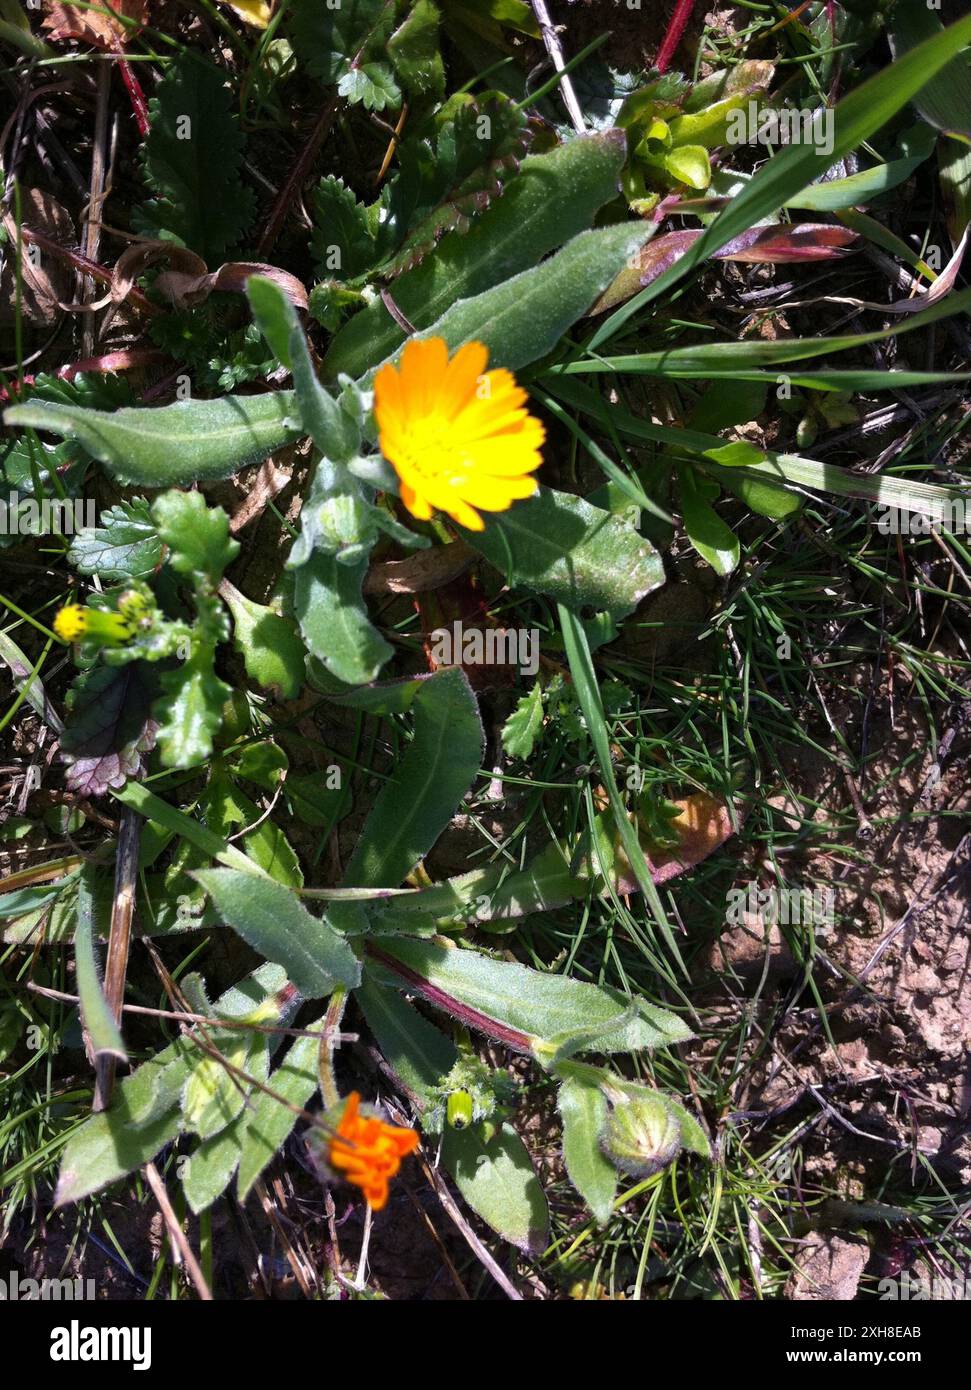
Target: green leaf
[(583, 1110), (497, 1180), (372, 86), (331, 428), (832, 195), (99, 1024), (333, 618), (450, 170), (688, 164), (268, 1122), (714, 541), (525, 1002), (212, 1165), (342, 240), (274, 921), (428, 781), (190, 710), (554, 196), (193, 157), (213, 1095), (226, 807), (269, 644), (524, 724), (526, 317), (160, 814), (145, 1113), (578, 554), (418, 1053), (768, 499), (197, 535), (944, 101), (414, 50), (187, 442), (327, 38), (124, 545)]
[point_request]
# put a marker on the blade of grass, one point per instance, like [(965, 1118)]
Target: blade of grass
[(588, 693)]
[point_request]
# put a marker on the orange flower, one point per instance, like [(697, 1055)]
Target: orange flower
[(368, 1152), (458, 437)]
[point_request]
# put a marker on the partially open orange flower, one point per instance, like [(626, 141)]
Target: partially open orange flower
[(368, 1152), (456, 435)]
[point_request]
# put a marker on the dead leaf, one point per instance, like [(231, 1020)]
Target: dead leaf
[(66, 21), (188, 282), (44, 280), (428, 569), (778, 243)]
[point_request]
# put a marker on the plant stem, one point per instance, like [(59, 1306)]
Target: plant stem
[(325, 1064)]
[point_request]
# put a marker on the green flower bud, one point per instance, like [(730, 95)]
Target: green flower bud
[(642, 1135), (458, 1109)]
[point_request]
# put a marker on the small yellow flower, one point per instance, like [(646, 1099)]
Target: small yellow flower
[(457, 436), (74, 622)]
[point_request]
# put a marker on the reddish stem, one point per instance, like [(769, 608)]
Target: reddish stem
[(136, 96), (676, 27), (512, 1037)]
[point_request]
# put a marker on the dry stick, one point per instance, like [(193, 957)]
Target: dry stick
[(177, 1236), (119, 941), (92, 230), (556, 53), (293, 1259), (182, 1016), (296, 177), (440, 1187), (460, 1288)]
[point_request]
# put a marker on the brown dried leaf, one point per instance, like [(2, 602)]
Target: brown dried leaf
[(66, 21), (188, 282), (44, 280)]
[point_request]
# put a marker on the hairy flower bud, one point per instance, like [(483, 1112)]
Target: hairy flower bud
[(642, 1135)]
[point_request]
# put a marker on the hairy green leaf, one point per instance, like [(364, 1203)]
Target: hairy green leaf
[(496, 1178), (274, 921), (578, 554), (554, 196), (428, 781), (583, 1110), (187, 442)]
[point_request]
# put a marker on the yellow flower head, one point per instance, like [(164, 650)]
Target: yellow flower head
[(368, 1152), (74, 622), (71, 622), (457, 436)]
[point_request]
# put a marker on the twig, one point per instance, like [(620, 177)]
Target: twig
[(295, 178), (293, 1259), (92, 230), (553, 48), (119, 941), (180, 1245), (183, 1016), (440, 1187)]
